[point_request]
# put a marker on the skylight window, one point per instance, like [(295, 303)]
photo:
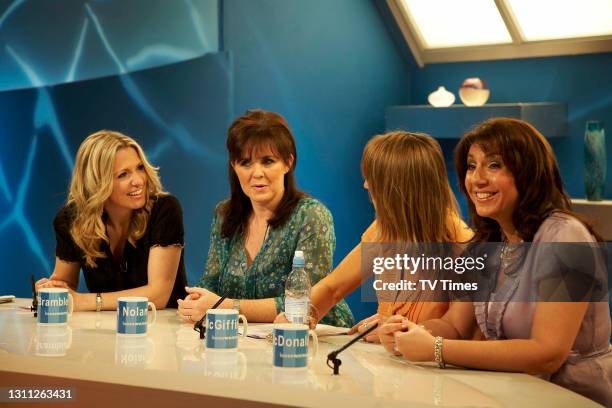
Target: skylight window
[(477, 30), (443, 23), (548, 20)]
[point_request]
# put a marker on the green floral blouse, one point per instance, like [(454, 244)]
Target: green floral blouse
[(310, 229)]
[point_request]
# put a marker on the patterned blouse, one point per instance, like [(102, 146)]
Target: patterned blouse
[(310, 229)]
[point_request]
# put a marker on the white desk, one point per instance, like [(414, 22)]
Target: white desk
[(170, 368)]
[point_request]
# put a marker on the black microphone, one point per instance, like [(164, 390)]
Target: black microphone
[(199, 325), (333, 356), (34, 307)]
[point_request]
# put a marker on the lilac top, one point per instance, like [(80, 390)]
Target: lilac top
[(588, 368)]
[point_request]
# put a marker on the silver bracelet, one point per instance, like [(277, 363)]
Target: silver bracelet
[(438, 352)]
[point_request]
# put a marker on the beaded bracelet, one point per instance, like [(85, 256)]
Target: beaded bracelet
[(438, 352)]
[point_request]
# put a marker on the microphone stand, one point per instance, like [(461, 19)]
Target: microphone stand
[(333, 356)]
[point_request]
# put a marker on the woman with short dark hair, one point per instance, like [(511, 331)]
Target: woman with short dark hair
[(256, 231)]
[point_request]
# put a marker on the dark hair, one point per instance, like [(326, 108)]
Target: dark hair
[(258, 129), (530, 159)]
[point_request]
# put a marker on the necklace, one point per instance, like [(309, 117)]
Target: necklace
[(510, 257), (510, 261), (509, 253)]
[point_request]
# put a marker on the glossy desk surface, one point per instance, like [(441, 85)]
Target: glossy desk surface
[(172, 358)]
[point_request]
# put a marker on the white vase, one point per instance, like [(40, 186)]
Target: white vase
[(441, 97)]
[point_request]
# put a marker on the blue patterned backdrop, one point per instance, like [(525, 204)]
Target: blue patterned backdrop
[(45, 42), (69, 68), (173, 74)]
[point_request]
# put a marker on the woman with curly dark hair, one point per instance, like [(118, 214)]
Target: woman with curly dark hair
[(515, 194)]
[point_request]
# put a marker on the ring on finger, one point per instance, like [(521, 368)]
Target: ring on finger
[(189, 318), (365, 326)]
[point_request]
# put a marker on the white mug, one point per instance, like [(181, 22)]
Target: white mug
[(290, 345), (222, 329), (55, 305), (132, 315)]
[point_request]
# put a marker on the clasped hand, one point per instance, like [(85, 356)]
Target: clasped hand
[(402, 337), (196, 304), (365, 324), (51, 282)]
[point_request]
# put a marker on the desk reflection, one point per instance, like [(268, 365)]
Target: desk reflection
[(53, 341), (134, 351)]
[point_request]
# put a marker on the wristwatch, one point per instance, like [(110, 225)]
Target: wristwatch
[(236, 305), (98, 302)]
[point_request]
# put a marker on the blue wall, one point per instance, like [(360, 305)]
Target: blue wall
[(69, 68), (70, 40), (583, 81), (331, 68), (43, 127)]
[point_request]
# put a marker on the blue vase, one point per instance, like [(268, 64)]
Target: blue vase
[(594, 160)]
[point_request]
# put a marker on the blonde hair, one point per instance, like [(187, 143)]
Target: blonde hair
[(407, 180), (92, 185)]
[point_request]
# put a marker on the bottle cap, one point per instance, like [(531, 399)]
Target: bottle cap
[(298, 258)]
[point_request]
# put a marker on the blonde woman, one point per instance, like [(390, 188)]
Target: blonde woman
[(120, 227), (406, 177)]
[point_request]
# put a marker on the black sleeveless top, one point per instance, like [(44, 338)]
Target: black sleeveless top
[(165, 227)]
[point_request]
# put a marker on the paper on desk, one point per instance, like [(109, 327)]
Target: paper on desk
[(261, 331)]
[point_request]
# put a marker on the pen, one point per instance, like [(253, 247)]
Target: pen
[(199, 326)]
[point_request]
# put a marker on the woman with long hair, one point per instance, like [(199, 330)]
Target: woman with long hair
[(256, 231), (515, 194), (120, 227), (405, 175)]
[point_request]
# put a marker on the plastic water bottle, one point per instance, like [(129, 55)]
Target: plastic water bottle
[(297, 291)]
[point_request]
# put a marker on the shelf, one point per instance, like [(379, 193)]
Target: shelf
[(451, 122), (598, 212)]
